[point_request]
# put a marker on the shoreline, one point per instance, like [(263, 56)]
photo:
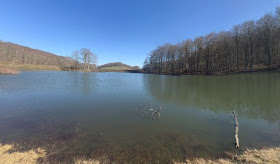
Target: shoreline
[(7, 71), (29, 67), (16, 68), (224, 73), (10, 154)]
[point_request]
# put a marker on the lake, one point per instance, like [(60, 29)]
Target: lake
[(110, 116)]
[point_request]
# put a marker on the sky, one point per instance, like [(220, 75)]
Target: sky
[(120, 30)]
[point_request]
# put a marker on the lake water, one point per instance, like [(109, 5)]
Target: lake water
[(108, 116)]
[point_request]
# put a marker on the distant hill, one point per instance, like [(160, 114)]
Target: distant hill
[(117, 66), (16, 54)]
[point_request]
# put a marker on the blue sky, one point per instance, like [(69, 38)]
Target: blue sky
[(120, 30)]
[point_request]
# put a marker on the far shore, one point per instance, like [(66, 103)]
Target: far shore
[(29, 67), (16, 68), (242, 70), (9, 71)]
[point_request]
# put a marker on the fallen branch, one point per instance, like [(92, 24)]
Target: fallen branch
[(156, 113), (236, 130)]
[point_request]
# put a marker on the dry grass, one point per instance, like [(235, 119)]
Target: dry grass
[(269, 155), (262, 156), (116, 68), (8, 71), (29, 67), (202, 161), (82, 161), (7, 156)]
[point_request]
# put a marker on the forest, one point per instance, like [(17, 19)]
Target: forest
[(11, 53), (251, 46), (15, 54)]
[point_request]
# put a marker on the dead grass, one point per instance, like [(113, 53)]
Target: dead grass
[(116, 68), (8, 71), (269, 155), (261, 156), (202, 161), (29, 67), (83, 161), (8, 155)]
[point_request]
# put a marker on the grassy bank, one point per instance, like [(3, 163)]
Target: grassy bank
[(9, 154), (29, 67), (8, 71), (114, 69), (265, 156)]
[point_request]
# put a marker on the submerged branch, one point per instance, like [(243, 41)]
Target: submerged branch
[(236, 130)]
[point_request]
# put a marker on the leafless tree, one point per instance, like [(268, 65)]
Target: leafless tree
[(253, 44), (89, 59)]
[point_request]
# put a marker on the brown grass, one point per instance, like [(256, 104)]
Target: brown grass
[(271, 155), (261, 156), (83, 161), (29, 67), (8, 155), (8, 71)]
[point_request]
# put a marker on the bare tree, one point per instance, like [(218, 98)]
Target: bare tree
[(253, 44), (17, 54), (76, 59), (89, 59)]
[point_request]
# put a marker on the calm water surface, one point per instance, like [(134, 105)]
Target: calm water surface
[(95, 115)]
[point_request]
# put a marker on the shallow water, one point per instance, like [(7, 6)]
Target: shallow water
[(96, 115)]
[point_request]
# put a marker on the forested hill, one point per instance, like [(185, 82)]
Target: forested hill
[(16, 54), (117, 64), (250, 46), (117, 67)]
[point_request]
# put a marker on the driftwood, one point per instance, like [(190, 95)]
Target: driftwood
[(236, 130), (148, 112), (156, 113)]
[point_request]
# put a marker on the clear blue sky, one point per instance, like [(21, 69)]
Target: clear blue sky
[(120, 30)]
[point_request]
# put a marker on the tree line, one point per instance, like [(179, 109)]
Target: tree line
[(250, 46)]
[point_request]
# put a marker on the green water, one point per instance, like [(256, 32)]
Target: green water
[(94, 115)]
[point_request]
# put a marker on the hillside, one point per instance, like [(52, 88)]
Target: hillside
[(11, 53), (116, 67), (251, 46)]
